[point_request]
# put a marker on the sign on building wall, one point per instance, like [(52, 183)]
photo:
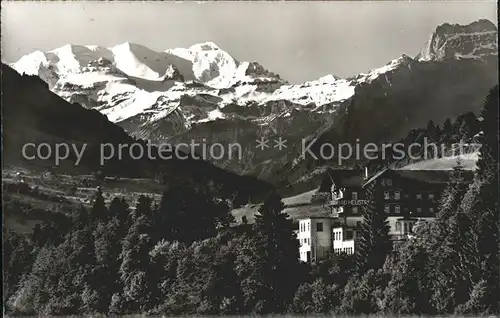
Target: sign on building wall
[(353, 202)]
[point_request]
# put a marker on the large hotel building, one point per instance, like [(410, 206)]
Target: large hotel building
[(407, 197)]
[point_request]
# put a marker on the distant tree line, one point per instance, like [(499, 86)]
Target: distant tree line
[(465, 128)]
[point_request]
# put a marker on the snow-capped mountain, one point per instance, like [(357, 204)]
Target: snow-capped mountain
[(204, 93)]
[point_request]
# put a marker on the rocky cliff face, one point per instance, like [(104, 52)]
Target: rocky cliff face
[(476, 40)]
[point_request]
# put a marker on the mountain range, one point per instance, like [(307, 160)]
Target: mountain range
[(205, 94), (31, 113)]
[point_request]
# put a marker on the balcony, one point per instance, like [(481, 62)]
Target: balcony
[(336, 211), (337, 195)]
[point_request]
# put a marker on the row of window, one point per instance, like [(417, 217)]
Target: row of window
[(407, 227), (387, 195), (387, 209), (337, 236), (347, 250), (339, 209), (319, 227), (354, 195), (397, 209), (386, 182), (397, 195), (303, 227)]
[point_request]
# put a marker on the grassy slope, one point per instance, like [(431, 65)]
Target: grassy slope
[(296, 207)]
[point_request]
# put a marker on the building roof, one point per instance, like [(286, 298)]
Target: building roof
[(345, 227), (426, 176), (375, 176), (342, 178), (315, 217)]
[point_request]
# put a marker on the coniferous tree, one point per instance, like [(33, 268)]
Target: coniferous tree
[(409, 290), (187, 215), (135, 275), (451, 198), (484, 210), (168, 219), (373, 237), (447, 127), (17, 258), (107, 246), (99, 211), (278, 251), (143, 208), (433, 131), (118, 208)]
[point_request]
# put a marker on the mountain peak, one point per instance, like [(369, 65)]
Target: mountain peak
[(481, 25), (206, 46), (475, 40)]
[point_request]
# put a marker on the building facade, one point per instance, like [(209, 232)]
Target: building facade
[(315, 238), (407, 197)]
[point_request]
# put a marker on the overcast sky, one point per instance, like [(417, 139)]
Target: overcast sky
[(298, 40)]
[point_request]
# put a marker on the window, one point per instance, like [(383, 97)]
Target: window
[(305, 241), (354, 195), (397, 195), (419, 210), (358, 224), (354, 209), (382, 182), (389, 182), (319, 227), (431, 196), (308, 226), (398, 209), (431, 210), (419, 196), (398, 226), (386, 195), (386, 208), (349, 235)]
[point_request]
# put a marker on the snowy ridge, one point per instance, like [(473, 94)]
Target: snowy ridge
[(130, 81), (403, 61)]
